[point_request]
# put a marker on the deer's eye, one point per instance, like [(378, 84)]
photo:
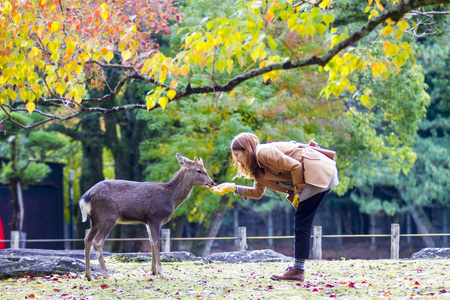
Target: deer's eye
[(199, 171)]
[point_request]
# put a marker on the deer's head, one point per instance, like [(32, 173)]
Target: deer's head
[(195, 171)]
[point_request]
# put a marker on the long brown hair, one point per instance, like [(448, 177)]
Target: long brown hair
[(246, 142)]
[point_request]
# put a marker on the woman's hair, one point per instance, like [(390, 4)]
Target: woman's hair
[(246, 142)]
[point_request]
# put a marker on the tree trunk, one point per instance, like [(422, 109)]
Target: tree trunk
[(203, 248), (16, 221), (423, 225)]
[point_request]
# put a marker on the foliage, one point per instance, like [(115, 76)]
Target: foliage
[(58, 61), (32, 173), (363, 279), (37, 145)]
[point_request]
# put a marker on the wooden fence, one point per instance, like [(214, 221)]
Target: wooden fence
[(242, 239)]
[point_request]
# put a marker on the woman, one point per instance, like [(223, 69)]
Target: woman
[(301, 171)]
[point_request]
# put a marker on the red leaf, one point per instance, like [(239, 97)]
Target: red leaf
[(443, 291), (416, 283), (31, 296), (104, 286), (315, 290), (351, 284)]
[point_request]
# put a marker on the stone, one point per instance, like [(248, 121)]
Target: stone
[(266, 255), (427, 253), (14, 266)]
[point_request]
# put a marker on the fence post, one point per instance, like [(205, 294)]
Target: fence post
[(317, 243), (242, 238), (395, 241), (165, 240), (15, 236)]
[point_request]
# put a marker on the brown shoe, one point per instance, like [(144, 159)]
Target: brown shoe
[(291, 273)]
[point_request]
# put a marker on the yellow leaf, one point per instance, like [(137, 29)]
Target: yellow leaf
[(55, 57), (320, 29), (284, 15), (108, 56), (11, 94), (232, 93), (255, 55), (104, 15), (262, 54), (53, 47), (250, 101), (17, 19), (171, 94), (398, 34), (55, 27), (126, 55), (387, 30), (162, 77), (104, 6), (150, 104), (390, 49), (184, 70), (30, 107), (220, 65), (229, 65), (375, 68), (402, 25), (84, 57), (78, 69), (60, 88), (365, 99), (163, 102)]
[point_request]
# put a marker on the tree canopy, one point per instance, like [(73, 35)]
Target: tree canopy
[(54, 52)]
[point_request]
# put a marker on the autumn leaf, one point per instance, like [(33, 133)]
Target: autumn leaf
[(163, 102), (30, 106), (268, 17), (171, 94)]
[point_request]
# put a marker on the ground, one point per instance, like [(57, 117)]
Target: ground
[(345, 279)]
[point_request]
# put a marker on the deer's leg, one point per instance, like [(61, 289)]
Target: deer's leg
[(103, 231), (153, 233), (87, 249)]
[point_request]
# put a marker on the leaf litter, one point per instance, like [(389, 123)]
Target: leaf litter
[(345, 279)]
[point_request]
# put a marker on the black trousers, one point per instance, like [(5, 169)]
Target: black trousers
[(303, 219)]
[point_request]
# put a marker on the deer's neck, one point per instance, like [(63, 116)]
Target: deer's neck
[(180, 187)]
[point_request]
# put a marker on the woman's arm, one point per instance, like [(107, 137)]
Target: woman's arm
[(255, 192)]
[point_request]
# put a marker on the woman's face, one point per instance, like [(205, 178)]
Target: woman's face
[(240, 156)]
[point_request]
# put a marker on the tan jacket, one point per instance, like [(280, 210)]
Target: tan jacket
[(291, 162)]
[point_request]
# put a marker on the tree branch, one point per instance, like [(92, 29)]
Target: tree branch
[(394, 12)]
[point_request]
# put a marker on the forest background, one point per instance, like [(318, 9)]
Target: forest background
[(382, 105)]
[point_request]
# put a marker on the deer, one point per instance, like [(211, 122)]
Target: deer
[(111, 202)]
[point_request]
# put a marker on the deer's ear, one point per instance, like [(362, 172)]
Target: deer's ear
[(183, 161)]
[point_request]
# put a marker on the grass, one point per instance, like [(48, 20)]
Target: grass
[(345, 279)]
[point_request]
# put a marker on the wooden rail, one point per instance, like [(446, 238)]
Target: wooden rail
[(242, 239)]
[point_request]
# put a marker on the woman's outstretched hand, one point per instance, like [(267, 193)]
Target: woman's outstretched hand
[(223, 188)]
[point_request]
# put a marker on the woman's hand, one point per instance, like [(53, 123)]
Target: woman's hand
[(223, 188), (294, 199)]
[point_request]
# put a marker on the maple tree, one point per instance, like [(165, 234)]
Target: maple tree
[(53, 52)]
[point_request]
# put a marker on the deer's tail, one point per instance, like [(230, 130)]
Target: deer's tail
[(85, 206)]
